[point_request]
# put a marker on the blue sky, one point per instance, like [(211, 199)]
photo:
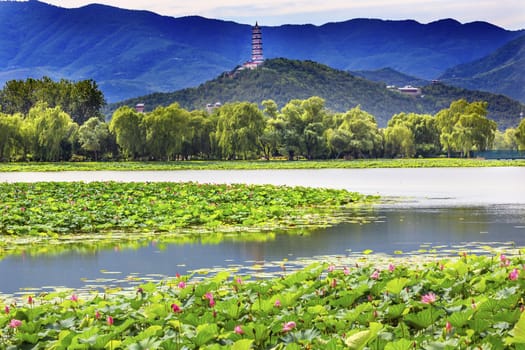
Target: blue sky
[(509, 14)]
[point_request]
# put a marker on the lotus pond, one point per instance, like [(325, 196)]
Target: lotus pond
[(432, 290)]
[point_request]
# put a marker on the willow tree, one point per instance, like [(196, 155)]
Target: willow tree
[(166, 131), (424, 130), (520, 135), (127, 126), (10, 135), (355, 133), (52, 132), (464, 127), (239, 127)]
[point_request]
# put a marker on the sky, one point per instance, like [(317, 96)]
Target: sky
[(509, 14)]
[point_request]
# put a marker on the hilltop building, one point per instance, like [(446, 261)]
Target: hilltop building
[(257, 49)]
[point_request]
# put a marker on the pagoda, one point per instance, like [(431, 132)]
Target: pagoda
[(257, 48)]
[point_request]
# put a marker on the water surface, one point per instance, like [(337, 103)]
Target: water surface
[(448, 208)]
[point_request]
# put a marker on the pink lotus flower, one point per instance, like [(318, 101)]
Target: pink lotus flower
[(428, 298), (334, 283), (209, 296), (288, 326), (277, 303), (97, 315), (514, 274), (331, 268), (375, 275), (238, 330), (74, 297), (175, 308), (7, 309), (502, 258), (346, 271), (391, 267), (239, 280), (109, 320), (15, 323), (182, 285), (448, 327), (30, 300)]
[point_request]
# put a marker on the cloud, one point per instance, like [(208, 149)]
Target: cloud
[(506, 13)]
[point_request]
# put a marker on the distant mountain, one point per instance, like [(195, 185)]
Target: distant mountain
[(390, 77), (131, 53), (283, 80), (503, 71)]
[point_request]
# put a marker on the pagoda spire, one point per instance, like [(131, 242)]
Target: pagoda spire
[(257, 45)]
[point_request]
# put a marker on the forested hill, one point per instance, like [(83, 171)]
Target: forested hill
[(283, 80), (131, 53), (502, 71)]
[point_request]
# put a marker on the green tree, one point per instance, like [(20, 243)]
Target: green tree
[(399, 141), (81, 100), (424, 129), (239, 127), (52, 132), (166, 131), (127, 126), (94, 137), (304, 127), (10, 136), (356, 134), (198, 141), (464, 127), (520, 135)]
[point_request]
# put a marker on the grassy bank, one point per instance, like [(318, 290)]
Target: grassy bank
[(468, 302), (246, 165)]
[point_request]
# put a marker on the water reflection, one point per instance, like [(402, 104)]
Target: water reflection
[(394, 228)]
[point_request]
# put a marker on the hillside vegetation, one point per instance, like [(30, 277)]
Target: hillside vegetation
[(132, 53), (283, 80), (502, 71)]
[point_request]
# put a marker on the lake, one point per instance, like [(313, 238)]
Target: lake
[(447, 209)]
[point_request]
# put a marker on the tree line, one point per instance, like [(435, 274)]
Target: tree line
[(243, 130)]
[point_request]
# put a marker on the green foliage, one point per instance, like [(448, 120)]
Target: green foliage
[(283, 80), (309, 313), (81, 100), (70, 208)]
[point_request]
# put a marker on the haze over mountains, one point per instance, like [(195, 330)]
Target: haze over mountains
[(133, 53)]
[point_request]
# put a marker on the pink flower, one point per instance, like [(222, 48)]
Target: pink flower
[(175, 308), (182, 285), (428, 298), (375, 275), (239, 280), (74, 297), (109, 320), (30, 300), (288, 326), (391, 267), (346, 270), (334, 283), (514, 274), (97, 315), (448, 327), (7, 309), (277, 303), (238, 330), (15, 323), (177, 275), (209, 296), (502, 258), (331, 268)]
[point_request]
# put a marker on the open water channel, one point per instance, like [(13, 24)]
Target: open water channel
[(443, 209)]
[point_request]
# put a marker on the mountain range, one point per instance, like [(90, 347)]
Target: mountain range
[(282, 80), (132, 53)]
